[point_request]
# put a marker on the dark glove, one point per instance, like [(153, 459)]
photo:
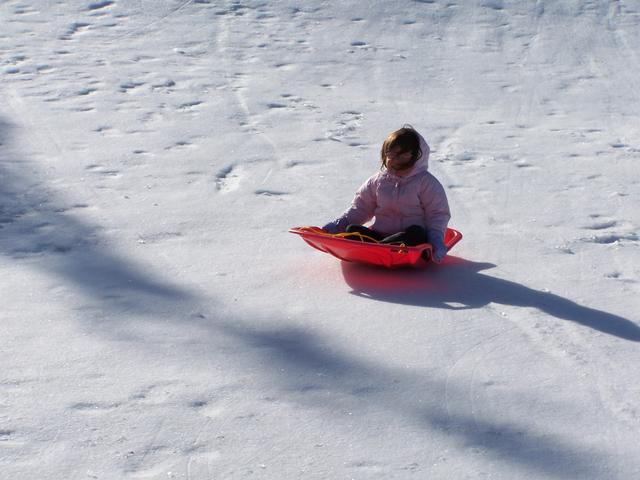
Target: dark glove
[(338, 225)]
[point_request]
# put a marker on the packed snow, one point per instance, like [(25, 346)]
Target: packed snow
[(158, 320)]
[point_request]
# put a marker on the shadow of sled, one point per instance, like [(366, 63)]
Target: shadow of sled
[(460, 285)]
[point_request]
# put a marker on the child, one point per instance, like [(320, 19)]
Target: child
[(407, 203)]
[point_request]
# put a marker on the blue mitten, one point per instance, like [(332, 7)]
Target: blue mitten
[(436, 239)]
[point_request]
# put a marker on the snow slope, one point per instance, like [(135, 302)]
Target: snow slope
[(157, 319)]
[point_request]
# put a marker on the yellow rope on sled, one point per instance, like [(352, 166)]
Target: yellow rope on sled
[(347, 235), (360, 236)]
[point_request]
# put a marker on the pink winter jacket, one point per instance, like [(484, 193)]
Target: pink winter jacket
[(397, 202)]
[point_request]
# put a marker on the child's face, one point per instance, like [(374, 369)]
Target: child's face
[(398, 160)]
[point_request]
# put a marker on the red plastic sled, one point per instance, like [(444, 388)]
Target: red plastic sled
[(385, 255)]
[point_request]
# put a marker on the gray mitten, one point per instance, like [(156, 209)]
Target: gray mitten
[(436, 239)]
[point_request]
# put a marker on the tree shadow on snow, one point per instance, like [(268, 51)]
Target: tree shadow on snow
[(315, 373), (48, 233), (460, 285)]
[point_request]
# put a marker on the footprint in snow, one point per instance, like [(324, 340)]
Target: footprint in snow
[(611, 238), (187, 106), (181, 144), (602, 225), (285, 66), (101, 169), (128, 87), (99, 5), (228, 179), (75, 29), (24, 10), (83, 92), (83, 109), (272, 193), (207, 408), (347, 124), (524, 165), (493, 4), (8, 438)]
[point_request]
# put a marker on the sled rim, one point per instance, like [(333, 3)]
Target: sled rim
[(451, 238), (356, 251)]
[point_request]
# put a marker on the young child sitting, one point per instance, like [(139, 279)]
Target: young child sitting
[(406, 202)]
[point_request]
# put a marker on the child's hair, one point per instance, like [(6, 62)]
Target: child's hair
[(406, 139)]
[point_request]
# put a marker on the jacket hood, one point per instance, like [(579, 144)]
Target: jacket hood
[(424, 159)]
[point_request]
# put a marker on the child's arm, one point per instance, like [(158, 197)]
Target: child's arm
[(361, 210), (436, 215)]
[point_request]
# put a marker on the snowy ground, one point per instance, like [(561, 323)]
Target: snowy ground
[(157, 319)]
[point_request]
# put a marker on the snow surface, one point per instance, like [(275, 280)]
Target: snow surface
[(157, 319)]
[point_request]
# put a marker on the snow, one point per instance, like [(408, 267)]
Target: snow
[(157, 319)]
